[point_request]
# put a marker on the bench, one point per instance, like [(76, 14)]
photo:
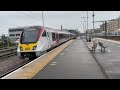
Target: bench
[(102, 46)]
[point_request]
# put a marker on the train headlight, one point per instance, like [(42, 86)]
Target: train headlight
[(34, 47), (21, 48)]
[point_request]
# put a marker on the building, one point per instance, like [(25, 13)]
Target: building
[(102, 27), (96, 30), (14, 33), (112, 25)]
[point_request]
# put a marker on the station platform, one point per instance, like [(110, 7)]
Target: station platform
[(110, 59), (74, 62)]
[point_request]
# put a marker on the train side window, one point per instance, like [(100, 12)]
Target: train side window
[(44, 34), (53, 36), (60, 36)]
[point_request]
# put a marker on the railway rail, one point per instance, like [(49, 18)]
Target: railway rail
[(4, 48), (22, 63), (8, 52)]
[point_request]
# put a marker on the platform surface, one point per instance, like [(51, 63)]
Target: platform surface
[(110, 59), (74, 62)]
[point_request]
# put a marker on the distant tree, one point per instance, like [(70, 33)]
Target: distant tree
[(4, 39)]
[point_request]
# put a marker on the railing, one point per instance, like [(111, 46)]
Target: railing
[(4, 53)]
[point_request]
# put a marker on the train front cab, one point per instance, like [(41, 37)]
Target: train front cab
[(28, 43)]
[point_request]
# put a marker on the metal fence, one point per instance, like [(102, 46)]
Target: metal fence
[(5, 42)]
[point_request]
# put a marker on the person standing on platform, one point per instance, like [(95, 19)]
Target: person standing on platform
[(94, 45)]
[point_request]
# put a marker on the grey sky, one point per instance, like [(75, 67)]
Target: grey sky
[(53, 19)]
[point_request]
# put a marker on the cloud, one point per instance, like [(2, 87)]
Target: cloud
[(53, 19)]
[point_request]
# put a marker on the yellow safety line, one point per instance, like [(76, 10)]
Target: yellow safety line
[(62, 48)]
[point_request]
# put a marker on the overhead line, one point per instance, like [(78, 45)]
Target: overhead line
[(27, 15), (42, 18)]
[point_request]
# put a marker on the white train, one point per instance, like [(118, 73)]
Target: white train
[(34, 40)]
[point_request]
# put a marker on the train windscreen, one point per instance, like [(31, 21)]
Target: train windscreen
[(30, 35)]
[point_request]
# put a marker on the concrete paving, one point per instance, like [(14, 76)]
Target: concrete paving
[(109, 59), (74, 62)]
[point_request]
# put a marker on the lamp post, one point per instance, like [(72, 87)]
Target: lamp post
[(118, 21), (61, 27), (84, 26), (87, 20), (88, 31), (93, 21), (43, 18)]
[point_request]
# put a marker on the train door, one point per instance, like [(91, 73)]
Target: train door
[(49, 39), (44, 40), (53, 39), (57, 39)]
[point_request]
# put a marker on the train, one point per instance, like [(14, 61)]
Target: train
[(74, 32), (109, 33), (36, 40)]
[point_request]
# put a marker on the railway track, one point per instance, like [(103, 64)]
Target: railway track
[(8, 52), (15, 68), (7, 47), (99, 64), (8, 55)]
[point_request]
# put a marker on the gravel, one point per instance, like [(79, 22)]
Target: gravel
[(10, 63)]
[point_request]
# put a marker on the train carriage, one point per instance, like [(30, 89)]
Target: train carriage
[(35, 40)]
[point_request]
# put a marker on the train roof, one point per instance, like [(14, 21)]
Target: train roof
[(23, 27), (39, 26)]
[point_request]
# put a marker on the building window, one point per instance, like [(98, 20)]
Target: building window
[(12, 34), (15, 30), (17, 34)]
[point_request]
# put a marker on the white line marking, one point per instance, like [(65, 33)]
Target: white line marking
[(117, 46), (118, 56), (109, 71), (66, 49), (62, 54), (113, 60), (109, 63), (109, 51), (114, 71), (52, 64)]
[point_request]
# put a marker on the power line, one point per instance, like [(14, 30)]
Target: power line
[(32, 16), (37, 17), (3, 23), (42, 18), (3, 26), (28, 15)]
